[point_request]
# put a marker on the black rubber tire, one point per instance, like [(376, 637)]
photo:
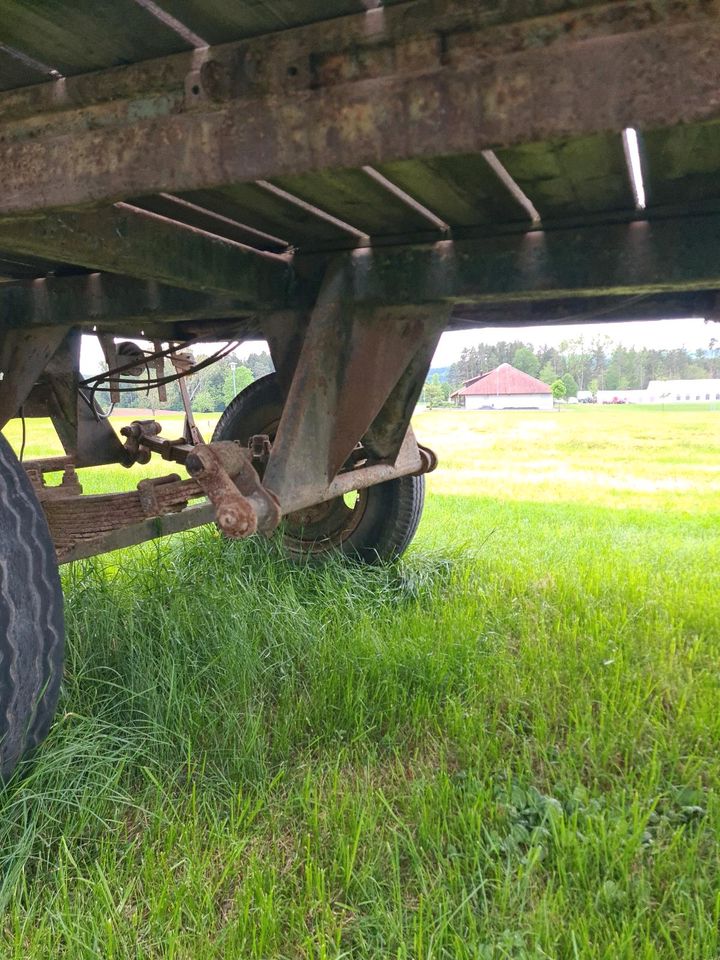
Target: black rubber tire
[(32, 629), (391, 511)]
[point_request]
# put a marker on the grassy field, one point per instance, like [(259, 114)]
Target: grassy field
[(505, 746)]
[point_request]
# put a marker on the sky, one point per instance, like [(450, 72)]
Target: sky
[(692, 333)]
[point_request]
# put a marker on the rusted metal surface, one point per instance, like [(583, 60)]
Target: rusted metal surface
[(159, 364), (262, 63), (89, 439), (411, 460), (183, 363), (138, 435), (351, 359), (260, 447), (597, 309), (386, 432), (69, 485), (24, 354), (226, 473), (148, 493), (118, 303), (403, 93), (429, 459), (363, 93), (85, 526), (661, 256), (89, 519), (140, 532)]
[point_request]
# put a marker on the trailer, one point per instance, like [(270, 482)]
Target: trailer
[(346, 179)]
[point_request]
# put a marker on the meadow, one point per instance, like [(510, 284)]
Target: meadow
[(503, 747)]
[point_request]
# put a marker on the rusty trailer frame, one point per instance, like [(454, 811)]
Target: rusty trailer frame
[(348, 187), (345, 179)]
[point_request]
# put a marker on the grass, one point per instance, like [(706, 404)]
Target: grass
[(503, 747)]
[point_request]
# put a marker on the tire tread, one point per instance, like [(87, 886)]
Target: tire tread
[(31, 617)]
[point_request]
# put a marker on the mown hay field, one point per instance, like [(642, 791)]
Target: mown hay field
[(505, 746)]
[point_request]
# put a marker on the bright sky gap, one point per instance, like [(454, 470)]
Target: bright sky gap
[(632, 156)]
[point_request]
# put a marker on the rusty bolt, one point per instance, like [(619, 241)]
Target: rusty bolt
[(234, 524)]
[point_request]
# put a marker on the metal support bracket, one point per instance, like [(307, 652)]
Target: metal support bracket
[(86, 436), (24, 354), (69, 485), (226, 473), (358, 362)]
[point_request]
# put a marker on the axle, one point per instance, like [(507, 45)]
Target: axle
[(225, 473)]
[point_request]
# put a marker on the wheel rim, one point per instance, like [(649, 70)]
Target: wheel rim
[(327, 525), (324, 526)]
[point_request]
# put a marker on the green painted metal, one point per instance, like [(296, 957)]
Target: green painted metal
[(17, 73), (125, 240), (621, 259), (111, 302), (82, 35), (219, 21)]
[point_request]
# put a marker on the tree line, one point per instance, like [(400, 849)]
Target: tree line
[(211, 389), (580, 364), (586, 364)]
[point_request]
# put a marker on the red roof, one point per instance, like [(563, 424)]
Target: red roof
[(503, 381)]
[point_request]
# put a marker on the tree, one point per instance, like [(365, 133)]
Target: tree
[(434, 392), (524, 359), (571, 387), (259, 364), (548, 373), (577, 359), (600, 349), (558, 390), (208, 401), (713, 353), (612, 377), (234, 384)]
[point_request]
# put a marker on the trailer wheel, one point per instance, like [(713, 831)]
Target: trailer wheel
[(372, 525), (31, 617)]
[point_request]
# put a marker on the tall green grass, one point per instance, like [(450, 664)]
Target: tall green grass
[(504, 746)]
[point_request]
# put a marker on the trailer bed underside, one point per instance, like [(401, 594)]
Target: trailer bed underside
[(409, 136)]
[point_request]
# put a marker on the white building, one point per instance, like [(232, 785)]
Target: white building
[(683, 391), (504, 388)]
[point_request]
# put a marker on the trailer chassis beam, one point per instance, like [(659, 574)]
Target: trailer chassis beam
[(388, 85), (122, 305), (126, 240), (661, 256), (668, 262)]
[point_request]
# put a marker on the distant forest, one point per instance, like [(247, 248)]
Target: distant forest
[(211, 389), (597, 364)]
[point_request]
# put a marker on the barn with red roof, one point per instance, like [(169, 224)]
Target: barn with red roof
[(504, 388)]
